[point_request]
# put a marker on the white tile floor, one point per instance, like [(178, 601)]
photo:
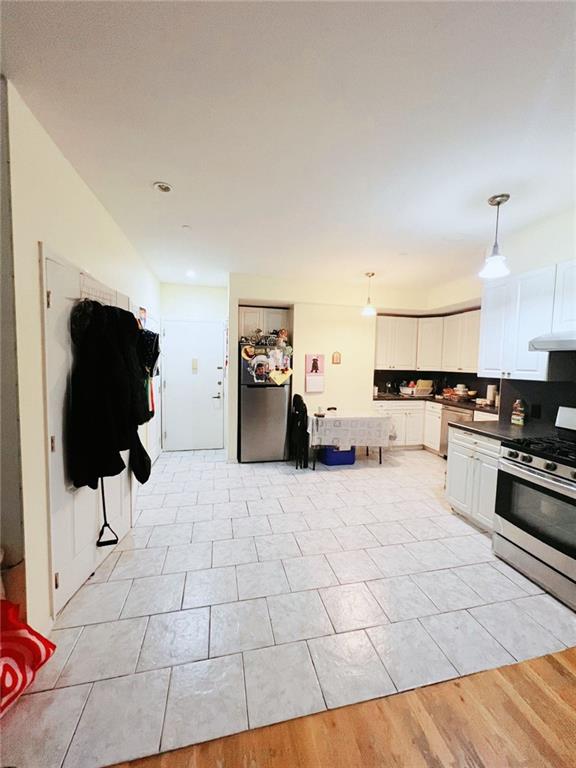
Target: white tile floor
[(251, 594)]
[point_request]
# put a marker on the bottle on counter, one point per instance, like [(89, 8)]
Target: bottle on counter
[(518, 413)]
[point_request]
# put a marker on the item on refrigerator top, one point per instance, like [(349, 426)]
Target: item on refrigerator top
[(518, 413)]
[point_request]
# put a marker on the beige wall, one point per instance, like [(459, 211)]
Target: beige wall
[(193, 302), (53, 205), (547, 241), (326, 329)]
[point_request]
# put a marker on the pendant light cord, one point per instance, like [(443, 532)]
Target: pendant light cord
[(497, 219)]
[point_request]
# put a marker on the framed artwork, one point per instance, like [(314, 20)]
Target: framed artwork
[(314, 372), (336, 358)]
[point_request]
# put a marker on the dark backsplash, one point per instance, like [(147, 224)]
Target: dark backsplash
[(541, 397), (441, 379)]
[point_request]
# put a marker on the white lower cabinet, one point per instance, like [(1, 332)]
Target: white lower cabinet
[(484, 490), (432, 426), (408, 420), (472, 476)]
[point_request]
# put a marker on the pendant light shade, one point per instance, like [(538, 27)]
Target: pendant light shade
[(369, 310), (495, 265)]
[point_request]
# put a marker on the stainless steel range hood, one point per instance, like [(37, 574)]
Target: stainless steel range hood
[(554, 342)]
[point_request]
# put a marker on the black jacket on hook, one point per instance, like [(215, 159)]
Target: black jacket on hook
[(107, 397)]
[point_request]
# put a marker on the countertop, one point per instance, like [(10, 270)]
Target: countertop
[(506, 431), (468, 406)]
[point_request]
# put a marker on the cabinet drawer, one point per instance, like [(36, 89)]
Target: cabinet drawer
[(435, 408), (475, 442)]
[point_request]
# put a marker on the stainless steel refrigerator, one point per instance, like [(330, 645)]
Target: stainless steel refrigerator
[(264, 406)]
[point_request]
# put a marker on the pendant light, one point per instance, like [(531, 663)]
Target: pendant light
[(495, 265), (369, 310)]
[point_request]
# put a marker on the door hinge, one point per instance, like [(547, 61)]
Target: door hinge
[(165, 435), (56, 580), (48, 299), (52, 444)]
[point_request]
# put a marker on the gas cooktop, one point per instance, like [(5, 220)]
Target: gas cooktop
[(551, 448)]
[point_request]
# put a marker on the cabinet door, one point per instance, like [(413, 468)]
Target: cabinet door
[(493, 317), (469, 339), (565, 297), (432, 428), (414, 427), (405, 342), (274, 319), (384, 342), (460, 478), (249, 320), (399, 421), (533, 306), (451, 343), (430, 333), (484, 494)]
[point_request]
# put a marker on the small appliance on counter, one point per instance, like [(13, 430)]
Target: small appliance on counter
[(535, 522)]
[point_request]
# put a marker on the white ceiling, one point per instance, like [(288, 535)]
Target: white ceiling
[(306, 138)]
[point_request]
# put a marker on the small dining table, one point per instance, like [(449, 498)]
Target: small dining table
[(344, 429)]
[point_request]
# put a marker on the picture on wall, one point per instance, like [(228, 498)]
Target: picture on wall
[(314, 372)]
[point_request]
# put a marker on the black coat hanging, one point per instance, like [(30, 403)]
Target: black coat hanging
[(107, 395)]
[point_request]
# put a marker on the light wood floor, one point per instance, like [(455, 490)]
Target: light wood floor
[(521, 716)]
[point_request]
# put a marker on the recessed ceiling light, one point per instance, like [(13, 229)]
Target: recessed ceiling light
[(190, 273), (162, 186)]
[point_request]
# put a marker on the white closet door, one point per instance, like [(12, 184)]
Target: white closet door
[(75, 514)]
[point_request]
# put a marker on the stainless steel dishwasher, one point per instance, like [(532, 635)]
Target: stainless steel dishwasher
[(450, 413)]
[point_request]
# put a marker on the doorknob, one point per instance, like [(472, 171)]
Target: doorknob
[(216, 397)]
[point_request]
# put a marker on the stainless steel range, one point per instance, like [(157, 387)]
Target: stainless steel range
[(535, 524)]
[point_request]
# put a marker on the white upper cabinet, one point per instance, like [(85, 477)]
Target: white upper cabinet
[(451, 345), (532, 304), (469, 340), (430, 334), (250, 319), (396, 342), (495, 311), (460, 345), (267, 319), (275, 319), (428, 343), (514, 311), (564, 318)]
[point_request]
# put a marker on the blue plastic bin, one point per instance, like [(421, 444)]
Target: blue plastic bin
[(332, 457)]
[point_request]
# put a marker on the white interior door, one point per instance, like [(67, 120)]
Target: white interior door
[(75, 514), (193, 381)]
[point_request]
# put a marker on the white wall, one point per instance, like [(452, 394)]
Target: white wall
[(193, 302), (547, 241), (52, 204)]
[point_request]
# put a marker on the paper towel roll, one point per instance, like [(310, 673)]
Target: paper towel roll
[(491, 393)]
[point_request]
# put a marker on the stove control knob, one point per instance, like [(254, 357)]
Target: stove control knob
[(526, 459), (550, 466), (513, 454)]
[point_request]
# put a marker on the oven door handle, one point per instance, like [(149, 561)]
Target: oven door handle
[(538, 478)]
